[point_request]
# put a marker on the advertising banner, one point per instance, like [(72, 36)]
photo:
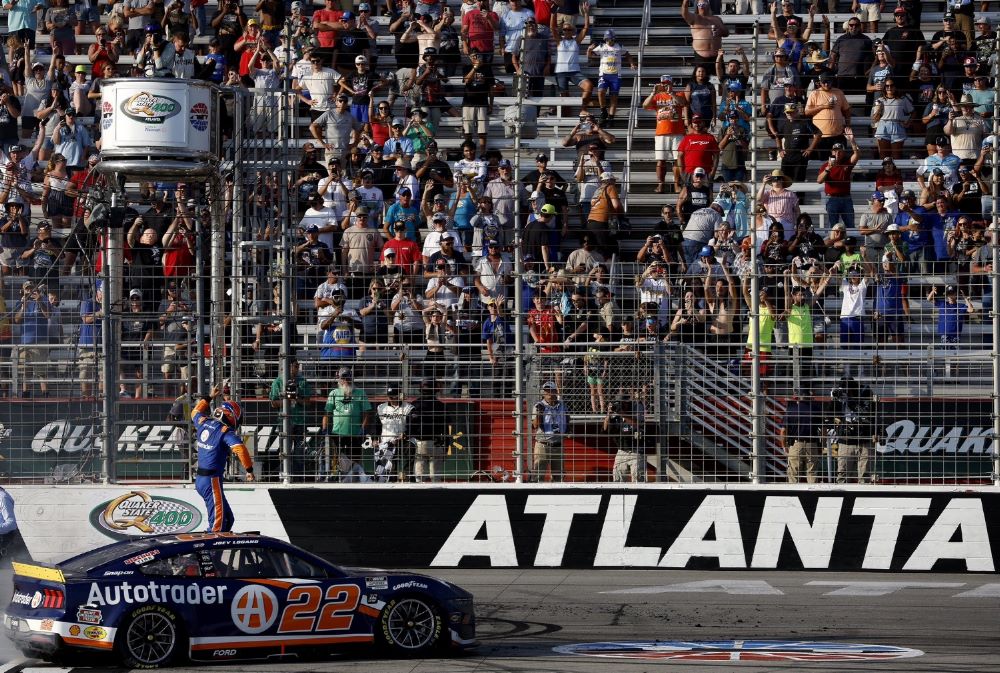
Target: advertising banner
[(60, 442), (647, 527), (152, 114)]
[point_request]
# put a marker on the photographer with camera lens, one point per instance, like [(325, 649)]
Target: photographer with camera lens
[(297, 391)]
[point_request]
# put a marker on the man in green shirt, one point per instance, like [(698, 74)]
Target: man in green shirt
[(351, 414), (298, 392)]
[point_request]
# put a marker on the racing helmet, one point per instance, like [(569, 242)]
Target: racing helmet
[(229, 412)]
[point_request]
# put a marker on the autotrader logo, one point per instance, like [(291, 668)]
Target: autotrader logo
[(137, 513)]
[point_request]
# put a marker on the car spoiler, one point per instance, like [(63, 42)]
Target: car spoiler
[(39, 572)]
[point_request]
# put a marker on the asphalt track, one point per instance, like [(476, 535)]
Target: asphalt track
[(523, 615)]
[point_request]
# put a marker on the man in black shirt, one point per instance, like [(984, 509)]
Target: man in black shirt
[(537, 235), (797, 138), (557, 198), (447, 253), (984, 44), (478, 100), (532, 179), (903, 41), (852, 56), (435, 171), (351, 42), (799, 435)]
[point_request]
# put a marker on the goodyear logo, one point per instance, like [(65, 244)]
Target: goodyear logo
[(149, 108), (137, 513)]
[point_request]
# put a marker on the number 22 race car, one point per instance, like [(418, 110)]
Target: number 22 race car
[(159, 600)]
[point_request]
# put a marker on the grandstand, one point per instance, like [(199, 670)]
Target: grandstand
[(677, 380)]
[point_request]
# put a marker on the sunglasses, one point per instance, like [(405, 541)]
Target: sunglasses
[(854, 25)]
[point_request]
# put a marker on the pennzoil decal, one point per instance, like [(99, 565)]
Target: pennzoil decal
[(95, 633), (138, 513), (149, 108)]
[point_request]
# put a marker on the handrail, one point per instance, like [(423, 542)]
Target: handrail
[(633, 114)]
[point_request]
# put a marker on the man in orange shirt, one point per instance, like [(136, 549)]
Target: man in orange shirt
[(669, 128), (829, 110)]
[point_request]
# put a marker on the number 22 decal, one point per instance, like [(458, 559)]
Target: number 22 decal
[(336, 614)]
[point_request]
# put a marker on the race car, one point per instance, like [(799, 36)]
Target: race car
[(158, 600)]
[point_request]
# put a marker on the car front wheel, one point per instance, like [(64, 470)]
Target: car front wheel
[(149, 637), (411, 625)]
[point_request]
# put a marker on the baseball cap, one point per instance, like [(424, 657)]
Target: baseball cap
[(155, 28), (983, 20), (909, 194), (135, 293), (840, 226), (891, 228), (364, 7), (605, 176), (297, 4), (707, 251), (405, 191), (345, 374), (970, 61), (696, 118), (504, 163), (549, 386), (347, 16), (493, 243), (900, 10), (447, 237), (950, 289), (361, 210), (80, 68), (699, 171), (948, 16), (402, 163), (838, 146), (312, 229), (71, 111), (663, 79), (390, 252), (439, 217), (361, 58), (878, 196), (36, 64), (937, 171), (397, 121), (826, 77), (17, 148), (542, 157), (735, 85), (793, 22), (791, 107), (609, 35), (548, 209)]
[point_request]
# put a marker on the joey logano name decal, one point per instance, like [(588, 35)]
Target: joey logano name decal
[(740, 650), (152, 592)]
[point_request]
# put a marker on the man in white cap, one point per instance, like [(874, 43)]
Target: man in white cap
[(550, 423)]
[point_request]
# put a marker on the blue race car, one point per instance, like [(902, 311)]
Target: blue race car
[(158, 600)]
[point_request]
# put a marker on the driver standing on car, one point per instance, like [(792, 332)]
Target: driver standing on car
[(217, 438)]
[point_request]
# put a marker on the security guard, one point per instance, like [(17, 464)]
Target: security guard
[(216, 438), (430, 426)]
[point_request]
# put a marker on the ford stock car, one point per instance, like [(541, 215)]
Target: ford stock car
[(224, 596)]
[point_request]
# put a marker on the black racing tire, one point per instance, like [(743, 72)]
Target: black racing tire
[(411, 626), (150, 636)]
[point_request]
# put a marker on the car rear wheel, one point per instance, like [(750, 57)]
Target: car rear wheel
[(411, 625), (149, 637)]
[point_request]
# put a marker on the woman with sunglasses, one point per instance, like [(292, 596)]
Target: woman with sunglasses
[(891, 114), (936, 116)]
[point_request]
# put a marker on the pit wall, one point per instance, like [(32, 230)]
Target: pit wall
[(936, 529)]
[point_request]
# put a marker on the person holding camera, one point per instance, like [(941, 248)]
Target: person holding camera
[(853, 409), (297, 391), (13, 236), (407, 307), (623, 423), (966, 130), (73, 141), (32, 314)]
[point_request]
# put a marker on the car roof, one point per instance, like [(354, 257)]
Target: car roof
[(168, 543)]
